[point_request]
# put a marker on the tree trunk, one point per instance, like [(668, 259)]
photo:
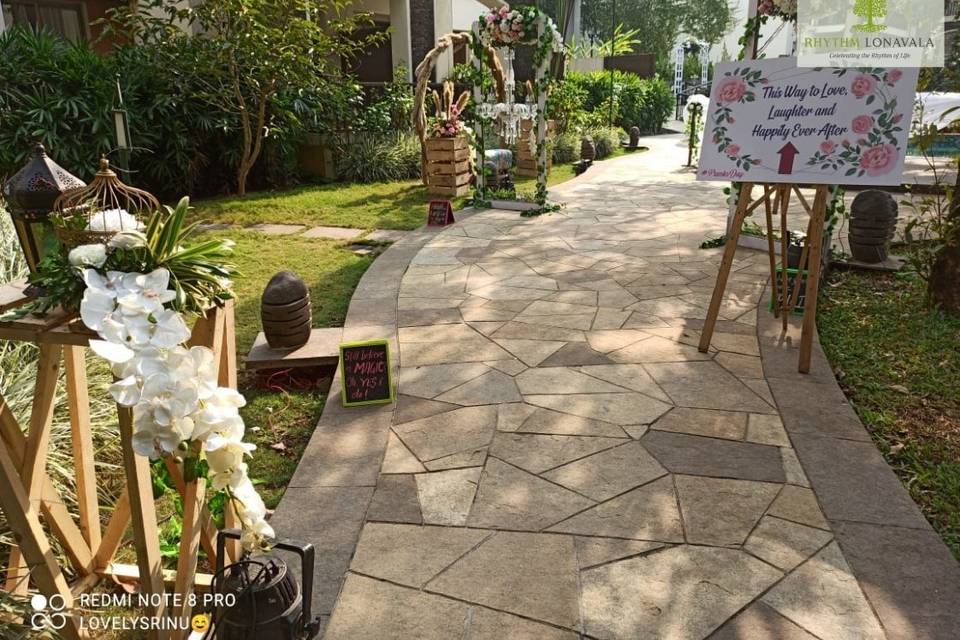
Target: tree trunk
[(944, 284)]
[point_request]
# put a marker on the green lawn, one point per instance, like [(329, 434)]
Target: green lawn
[(899, 363), (381, 205), (330, 270)]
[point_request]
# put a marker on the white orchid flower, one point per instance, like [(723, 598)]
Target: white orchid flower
[(145, 293), (126, 392), (169, 329), (128, 240), (95, 307), (111, 351), (88, 255), (254, 536)]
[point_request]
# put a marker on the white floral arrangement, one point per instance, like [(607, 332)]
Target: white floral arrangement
[(126, 295)]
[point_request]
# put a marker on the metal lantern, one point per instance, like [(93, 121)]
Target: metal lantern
[(98, 211), (30, 195)]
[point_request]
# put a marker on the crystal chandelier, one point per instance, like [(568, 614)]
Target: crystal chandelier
[(509, 114)]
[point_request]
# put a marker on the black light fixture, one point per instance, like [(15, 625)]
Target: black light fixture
[(266, 602), (30, 195)]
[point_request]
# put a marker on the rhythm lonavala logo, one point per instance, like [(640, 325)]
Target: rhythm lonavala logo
[(48, 613), (870, 10)]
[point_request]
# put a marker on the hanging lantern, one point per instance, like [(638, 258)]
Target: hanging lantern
[(102, 209), (30, 195)]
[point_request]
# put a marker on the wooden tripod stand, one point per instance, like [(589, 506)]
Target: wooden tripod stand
[(776, 197), (27, 492)]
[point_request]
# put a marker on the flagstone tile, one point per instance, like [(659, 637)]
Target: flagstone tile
[(705, 385), (588, 298), (448, 433), (555, 422), (643, 321), (493, 387), (460, 460), (657, 349), (369, 609), (785, 544), (823, 597), (486, 314), (486, 328), (395, 500), (487, 624), (740, 365), (475, 349), (427, 317), (578, 321), (767, 429), (528, 331), (411, 555), (609, 319), (537, 453), (510, 498), (511, 416), (532, 282), (611, 340), (696, 455), (530, 352), (596, 551), (429, 381), (543, 308), (446, 496), (799, 504), (575, 353), (411, 408), (729, 425), (608, 473), (618, 408), (721, 511), (500, 291), (398, 458), (793, 468), (529, 574), (645, 513), (672, 307), (628, 376), (759, 621), (560, 380), (683, 592), (404, 304), (510, 367)]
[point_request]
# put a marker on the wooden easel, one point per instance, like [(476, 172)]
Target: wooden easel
[(27, 493), (809, 259)]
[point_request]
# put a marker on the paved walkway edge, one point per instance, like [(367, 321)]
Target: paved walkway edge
[(338, 471), (908, 574)]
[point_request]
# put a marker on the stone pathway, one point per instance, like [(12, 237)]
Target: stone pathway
[(561, 461)]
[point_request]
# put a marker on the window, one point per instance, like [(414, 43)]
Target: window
[(66, 18)]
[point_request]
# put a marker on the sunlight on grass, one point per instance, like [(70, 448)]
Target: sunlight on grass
[(899, 364)]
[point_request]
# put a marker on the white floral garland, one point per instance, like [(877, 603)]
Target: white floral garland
[(172, 389)]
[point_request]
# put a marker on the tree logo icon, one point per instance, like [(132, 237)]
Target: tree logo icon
[(870, 10)]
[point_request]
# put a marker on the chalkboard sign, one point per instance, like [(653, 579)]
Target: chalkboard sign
[(439, 213), (365, 373)]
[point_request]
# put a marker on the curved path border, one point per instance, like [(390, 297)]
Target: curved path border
[(909, 578)]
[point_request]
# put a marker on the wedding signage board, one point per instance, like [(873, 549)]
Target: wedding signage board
[(439, 213), (365, 374), (770, 121)]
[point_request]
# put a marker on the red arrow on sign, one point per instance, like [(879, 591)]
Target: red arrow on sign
[(787, 154)]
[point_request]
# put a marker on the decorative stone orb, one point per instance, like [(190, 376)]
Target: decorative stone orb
[(873, 221), (588, 150), (634, 136), (286, 312)]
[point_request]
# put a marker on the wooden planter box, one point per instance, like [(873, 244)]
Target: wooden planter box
[(527, 157), (448, 166)]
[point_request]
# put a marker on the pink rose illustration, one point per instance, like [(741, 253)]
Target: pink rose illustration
[(731, 89), (893, 75), (733, 150), (897, 118), (828, 146), (879, 160), (862, 124), (863, 85)]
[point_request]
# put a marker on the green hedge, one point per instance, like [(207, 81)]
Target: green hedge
[(62, 94), (642, 102)]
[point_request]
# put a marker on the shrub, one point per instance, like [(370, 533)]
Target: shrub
[(640, 102), (605, 139), (566, 148), (565, 105), (379, 159)]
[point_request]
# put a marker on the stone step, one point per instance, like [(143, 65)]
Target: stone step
[(322, 349)]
